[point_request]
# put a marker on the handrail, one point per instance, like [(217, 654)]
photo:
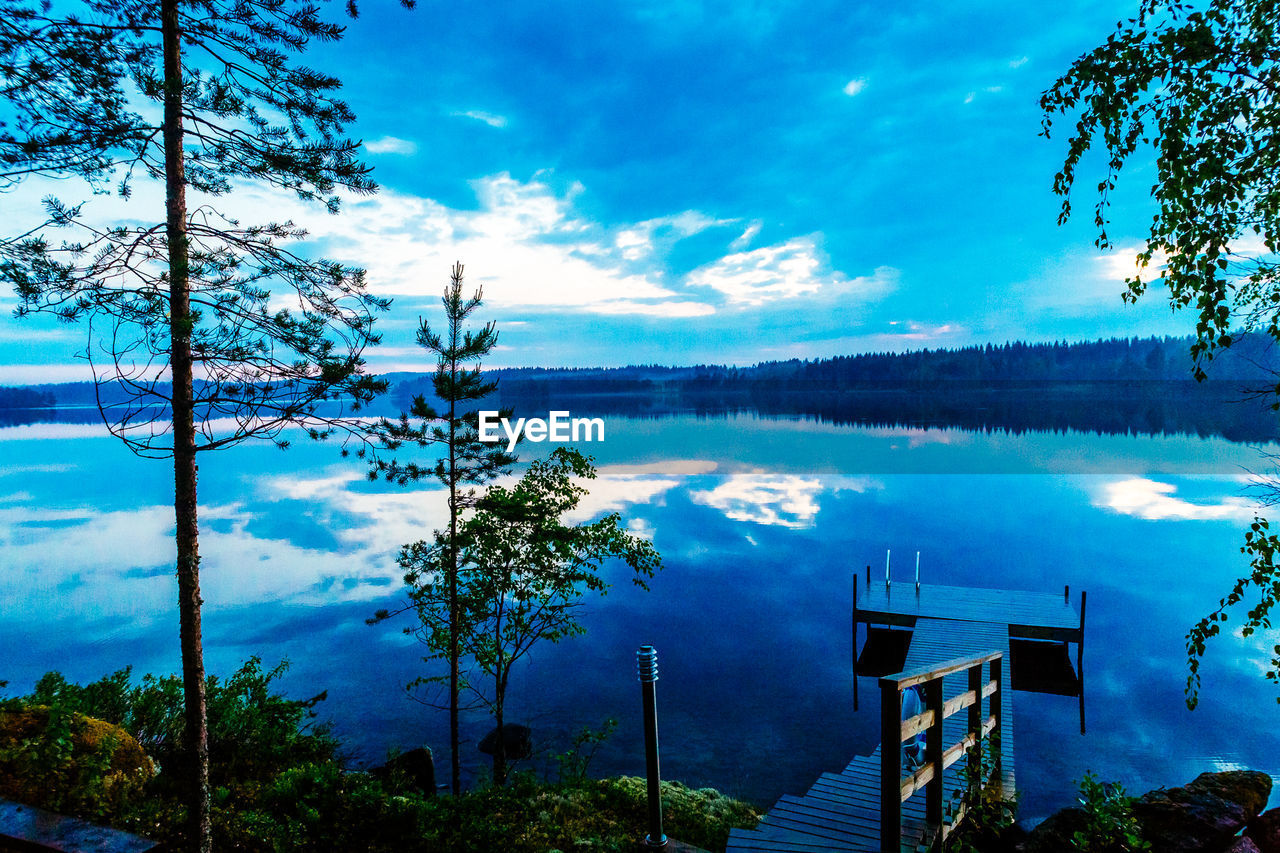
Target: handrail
[(894, 788), (928, 673)]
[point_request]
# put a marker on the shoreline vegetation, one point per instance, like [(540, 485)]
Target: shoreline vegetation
[(110, 752)]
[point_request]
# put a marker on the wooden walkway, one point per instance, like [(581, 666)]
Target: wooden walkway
[(841, 811)]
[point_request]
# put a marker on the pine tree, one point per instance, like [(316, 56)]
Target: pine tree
[(467, 461), (216, 330)]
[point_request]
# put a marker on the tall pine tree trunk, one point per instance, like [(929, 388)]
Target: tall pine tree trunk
[(184, 438), (455, 652)]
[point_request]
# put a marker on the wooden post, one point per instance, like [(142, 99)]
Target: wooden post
[(855, 640), (1066, 593), (975, 725), (1082, 703), (997, 731), (890, 766), (933, 748), (1084, 600)]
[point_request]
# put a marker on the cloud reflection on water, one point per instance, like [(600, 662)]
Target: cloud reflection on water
[(1155, 501)]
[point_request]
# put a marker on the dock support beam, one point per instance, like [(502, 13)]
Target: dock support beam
[(890, 768), (854, 633), (1084, 600)]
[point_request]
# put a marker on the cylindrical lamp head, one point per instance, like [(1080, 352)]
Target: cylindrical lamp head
[(647, 664)]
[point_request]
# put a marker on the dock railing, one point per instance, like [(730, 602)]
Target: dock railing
[(895, 789)]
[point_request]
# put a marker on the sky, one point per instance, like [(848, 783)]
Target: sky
[(717, 182)]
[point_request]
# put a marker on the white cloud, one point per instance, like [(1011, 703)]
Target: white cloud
[(391, 145), (855, 86), (640, 527), (30, 374), (1122, 262), (1155, 501), (644, 238), (1019, 62), (613, 493), (744, 239), (780, 500), (784, 500), (528, 245), (909, 333), (656, 309), (785, 271), (491, 119)]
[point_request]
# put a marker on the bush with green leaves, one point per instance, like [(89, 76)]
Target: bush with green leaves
[(58, 759), (281, 786), (254, 733), (572, 764), (320, 807), (1110, 825), (989, 814)]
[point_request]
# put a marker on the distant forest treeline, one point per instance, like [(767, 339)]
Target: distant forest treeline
[(1118, 385), (26, 398), (1251, 358)]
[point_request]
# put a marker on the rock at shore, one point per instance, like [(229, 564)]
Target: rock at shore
[(417, 767), (1243, 845), (517, 742), (1264, 830), (1204, 815), (1055, 833)]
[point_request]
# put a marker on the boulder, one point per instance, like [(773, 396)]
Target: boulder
[(1054, 834), (516, 739), (1243, 845), (1204, 815), (416, 767), (1264, 830), (65, 761)]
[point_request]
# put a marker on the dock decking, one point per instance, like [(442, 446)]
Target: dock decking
[(841, 811)]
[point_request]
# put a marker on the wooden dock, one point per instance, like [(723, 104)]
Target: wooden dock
[(842, 811)]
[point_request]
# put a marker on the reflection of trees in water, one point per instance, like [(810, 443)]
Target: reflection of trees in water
[(1213, 409), (1124, 408)]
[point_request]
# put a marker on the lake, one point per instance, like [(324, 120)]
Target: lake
[(761, 522)]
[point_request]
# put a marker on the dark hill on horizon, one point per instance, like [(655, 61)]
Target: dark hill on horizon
[(1122, 385)]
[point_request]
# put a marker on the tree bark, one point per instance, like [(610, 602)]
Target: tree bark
[(500, 751), (455, 651), (184, 439)]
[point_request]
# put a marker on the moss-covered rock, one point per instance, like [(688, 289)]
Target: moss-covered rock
[(1204, 814), (67, 762), (698, 816)]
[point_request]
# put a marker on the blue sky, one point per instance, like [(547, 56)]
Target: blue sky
[(717, 182)]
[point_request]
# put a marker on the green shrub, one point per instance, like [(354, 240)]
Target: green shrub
[(62, 760), (253, 733), (1110, 823), (279, 786), (989, 814)]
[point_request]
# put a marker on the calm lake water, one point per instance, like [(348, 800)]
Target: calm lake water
[(761, 522)]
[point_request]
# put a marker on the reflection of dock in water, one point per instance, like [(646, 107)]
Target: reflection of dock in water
[(962, 650)]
